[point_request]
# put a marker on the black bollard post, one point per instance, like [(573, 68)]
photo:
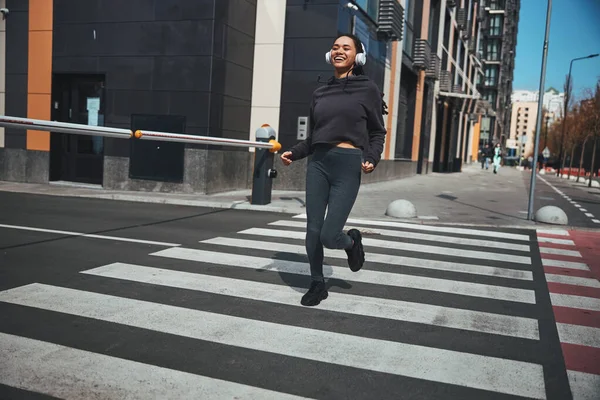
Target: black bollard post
[(264, 173)]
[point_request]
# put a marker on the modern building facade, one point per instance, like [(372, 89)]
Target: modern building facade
[(498, 49), (225, 67)]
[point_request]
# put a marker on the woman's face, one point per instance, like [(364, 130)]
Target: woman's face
[(343, 53)]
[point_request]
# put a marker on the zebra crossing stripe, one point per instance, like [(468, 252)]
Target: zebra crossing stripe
[(70, 373), (559, 252), (437, 365), (578, 334), (386, 244), (431, 228), (543, 239), (557, 232), (573, 280), (339, 302), (571, 301), (426, 236), (378, 258), (584, 386), (549, 262), (366, 276)]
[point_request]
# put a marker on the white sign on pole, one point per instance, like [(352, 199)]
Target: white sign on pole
[(546, 152)]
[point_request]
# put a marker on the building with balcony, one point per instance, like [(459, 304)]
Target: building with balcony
[(499, 27), (226, 67)]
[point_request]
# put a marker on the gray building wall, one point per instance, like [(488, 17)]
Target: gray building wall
[(189, 58)]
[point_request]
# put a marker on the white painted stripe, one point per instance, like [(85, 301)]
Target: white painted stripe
[(379, 258), (387, 244), (567, 300), (437, 365), (577, 205), (589, 215), (556, 232), (339, 302), (560, 252), (366, 276), (573, 280), (88, 235), (548, 262), (583, 209), (578, 334), (596, 221), (424, 236), (584, 386), (543, 239), (69, 373), (431, 228)]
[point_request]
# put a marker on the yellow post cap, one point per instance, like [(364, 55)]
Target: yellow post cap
[(276, 146)]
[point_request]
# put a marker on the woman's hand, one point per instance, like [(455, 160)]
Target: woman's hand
[(285, 157), (367, 167)]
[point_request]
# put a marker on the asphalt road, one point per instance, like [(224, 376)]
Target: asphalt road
[(161, 301), (580, 203)]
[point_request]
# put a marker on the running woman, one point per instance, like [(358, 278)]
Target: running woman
[(347, 134)]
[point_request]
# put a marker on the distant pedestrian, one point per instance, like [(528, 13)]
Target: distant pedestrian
[(347, 132), (485, 157), (497, 157)]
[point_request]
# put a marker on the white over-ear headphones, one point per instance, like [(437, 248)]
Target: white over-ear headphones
[(360, 60)]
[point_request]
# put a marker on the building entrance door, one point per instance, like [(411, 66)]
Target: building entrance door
[(77, 99)]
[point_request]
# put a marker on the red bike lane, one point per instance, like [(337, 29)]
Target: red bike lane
[(571, 260)]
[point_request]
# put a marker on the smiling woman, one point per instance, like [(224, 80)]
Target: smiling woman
[(347, 133)]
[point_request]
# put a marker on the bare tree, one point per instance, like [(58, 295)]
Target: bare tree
[(568, 88), (595, 118)]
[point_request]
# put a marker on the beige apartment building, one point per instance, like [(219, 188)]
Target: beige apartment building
[(522, 128)]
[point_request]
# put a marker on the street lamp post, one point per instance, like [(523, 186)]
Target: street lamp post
[(539, 114), (567, 99)]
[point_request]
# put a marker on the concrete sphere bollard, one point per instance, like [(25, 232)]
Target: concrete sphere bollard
[(551, 215), (401, 209)]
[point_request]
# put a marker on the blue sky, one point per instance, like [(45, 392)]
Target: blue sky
[(574, 32)]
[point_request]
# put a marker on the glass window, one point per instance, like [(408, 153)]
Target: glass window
[(496, 25), (371, 7), (491, 75), (408, 39), (493, 50)]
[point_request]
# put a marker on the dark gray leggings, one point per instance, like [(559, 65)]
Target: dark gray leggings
[(332, 181)]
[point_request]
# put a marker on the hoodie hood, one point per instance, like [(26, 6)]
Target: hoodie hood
[(348, 79)]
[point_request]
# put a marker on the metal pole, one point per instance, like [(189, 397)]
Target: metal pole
[(538, 124), (63, 127), (566, 108), (180, 137), (81, 129)]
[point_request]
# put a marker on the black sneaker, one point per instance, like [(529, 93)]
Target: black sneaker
[(356, 254), (316, 293)]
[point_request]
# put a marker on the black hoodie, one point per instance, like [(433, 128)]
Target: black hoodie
[(346, 110)]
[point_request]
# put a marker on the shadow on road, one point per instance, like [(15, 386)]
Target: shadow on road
[(112, 230), (302, 282), (455, 200)]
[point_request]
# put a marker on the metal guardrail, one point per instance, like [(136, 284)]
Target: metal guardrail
[(120, 133), (263, 160)]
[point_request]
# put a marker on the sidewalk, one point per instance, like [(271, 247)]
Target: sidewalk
[(473, 197)]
